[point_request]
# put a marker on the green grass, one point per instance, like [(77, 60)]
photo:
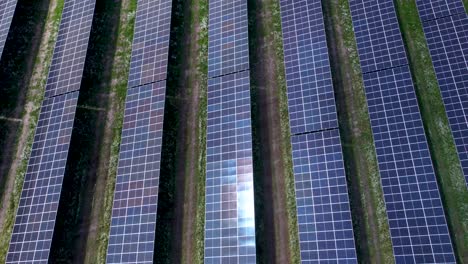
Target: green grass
[(370, 221), (202, 69), (34, 98), (443, 151), (119, 90)]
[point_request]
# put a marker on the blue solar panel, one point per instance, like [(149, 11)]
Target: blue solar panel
[(37, 210), (311, 100), (323, 212), (433, 9), (228, 44), (67, 65), (7, 9), (447, 39), (230, 214), (150, 42), (416, 217), (133, 223), (378, 36)]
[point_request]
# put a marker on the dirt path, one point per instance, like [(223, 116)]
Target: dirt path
[(263, 73), (187, 141), (33, 79)]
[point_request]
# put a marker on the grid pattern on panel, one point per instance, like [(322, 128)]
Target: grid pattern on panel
[(35, 218), (323, 211), (378, 36), (229, 219), (228, 44), (416, 218), (447, 40), (7, 10), (311, 98), (133, 223), (433, 9), (66, 69), (150, 42)]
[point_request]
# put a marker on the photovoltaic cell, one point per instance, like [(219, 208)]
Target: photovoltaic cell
[(35, 218), (323, 212), (150, 42), (311, 100), (228, 43), (416, 218), (133, 223), (447, 39), (7, 9), (433, 9), (378, 36), (68, 61), (229, 215)]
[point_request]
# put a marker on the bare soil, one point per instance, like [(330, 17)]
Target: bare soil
[(187, 143), (16, 143), (263, 73)]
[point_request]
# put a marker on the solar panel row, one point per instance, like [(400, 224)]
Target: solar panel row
[(323, 210), (230, 216), (37, 211), (418, 227), (311, 99), (377, 34), (150, 42), (67, 65), (133, 220), (7, 9), (228, 43), (433, 9), (446, 31), (229, 211)]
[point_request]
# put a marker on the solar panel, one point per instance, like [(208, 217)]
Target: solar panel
[(416, 217), (229, 216), (133, 223), (7, 9), (37, 210), (150, 42), (311, 100), (68, 61), (228, 43), (323, 212), (378, 36), (433, 9)]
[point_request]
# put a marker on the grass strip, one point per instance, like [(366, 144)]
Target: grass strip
[(202, 70), (444, 155), (118, 89), (34, 99), (370, 222)]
